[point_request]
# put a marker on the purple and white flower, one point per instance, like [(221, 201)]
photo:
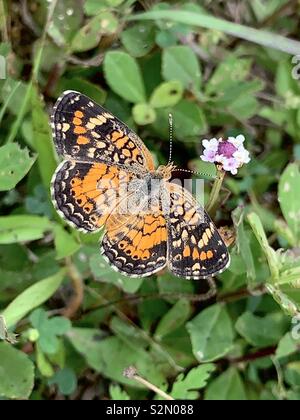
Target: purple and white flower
[(230, 153)]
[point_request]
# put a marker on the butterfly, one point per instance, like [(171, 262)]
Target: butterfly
[(108, 180)]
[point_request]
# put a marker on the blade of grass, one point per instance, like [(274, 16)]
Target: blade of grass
[(15, 127), (260, 37), (5, 105), (3, 22)]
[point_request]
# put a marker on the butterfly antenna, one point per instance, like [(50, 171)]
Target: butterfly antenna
[(195, 173), (170, 137), (171, 151)]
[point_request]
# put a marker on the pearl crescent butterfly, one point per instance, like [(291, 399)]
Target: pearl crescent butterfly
[(108, 180)]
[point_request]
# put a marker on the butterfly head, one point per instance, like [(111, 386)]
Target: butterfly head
[(165, 171)]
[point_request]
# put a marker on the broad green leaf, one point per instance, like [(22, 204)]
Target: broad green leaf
[(139, 39), (211, 333), (186, 387), (42, 139), (49, 329), (124, 77), (284, 82), (14, 165), (181, 63), (31, 298), (117, 393), (227, 387), (243, 244), (43, 363), (258, 331), (228, 73), (174, 318), (261, 37), (188, 118), (110, 356), (143, 114), (167, 94), (286, 346), (104, 273), (66, 381), (16, 373), (65, 244), (292, 374), (288, 195), (88, 37), (20, 228), (259, 232)]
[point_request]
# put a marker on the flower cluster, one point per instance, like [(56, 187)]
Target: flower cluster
[(230, 153)]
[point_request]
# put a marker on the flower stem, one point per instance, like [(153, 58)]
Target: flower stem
[(131, 373), (215, 192)]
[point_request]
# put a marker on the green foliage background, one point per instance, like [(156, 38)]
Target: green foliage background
[(78, 323)]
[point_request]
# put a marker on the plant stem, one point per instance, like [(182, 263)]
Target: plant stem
[(15, 127), (3, 22), (131, 373), (215, 192), (75, 302)]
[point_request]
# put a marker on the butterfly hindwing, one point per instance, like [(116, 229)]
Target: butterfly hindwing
[(136, 245), (196, 250)]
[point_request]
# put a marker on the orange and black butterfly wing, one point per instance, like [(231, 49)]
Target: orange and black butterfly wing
[(85, 194), (195, 248), (85, 131), (136, 245)]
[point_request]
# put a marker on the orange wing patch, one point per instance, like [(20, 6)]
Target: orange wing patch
[(136, 245)]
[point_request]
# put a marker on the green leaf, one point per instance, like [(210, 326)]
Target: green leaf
[(65, 244), (189, 121), (143, 114), (211, 333), (17, 228), (49, 329), (117, 393), (42, 137), (139, 39), (181, 63), (31, 298), (43, 363), (104, 273), (110, 356), (292, 374), (16, 373), (66, 381), (264, 38), (93, 7), (243, 244), (259, 232), (167, 94), (231, 71), (88, 37), (288, 195), (185, 387), (260, 332), (124, 77), (14, 165), (227, 387), (174, 318), (286, 346)]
